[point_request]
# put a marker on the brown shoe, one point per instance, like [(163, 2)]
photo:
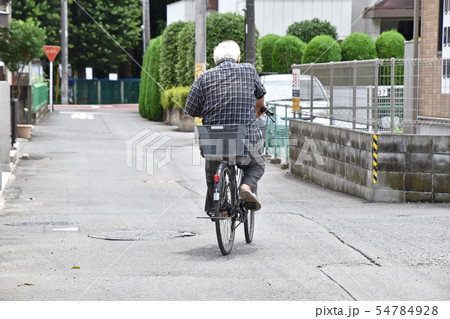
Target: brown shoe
[(250, 198)]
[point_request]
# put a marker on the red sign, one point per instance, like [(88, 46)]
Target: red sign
[(51, 51)]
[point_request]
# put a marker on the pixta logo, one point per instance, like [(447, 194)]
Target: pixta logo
[(141, 150)]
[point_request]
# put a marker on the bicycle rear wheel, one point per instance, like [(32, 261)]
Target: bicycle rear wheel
[(225, 223), (249, 226)]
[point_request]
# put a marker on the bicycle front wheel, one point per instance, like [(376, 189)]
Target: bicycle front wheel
[(225, 222), (249, 226)]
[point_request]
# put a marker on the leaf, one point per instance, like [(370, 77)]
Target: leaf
[(76, 267)]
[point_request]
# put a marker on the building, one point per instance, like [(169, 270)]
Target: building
[(348, 16), (434, 94)]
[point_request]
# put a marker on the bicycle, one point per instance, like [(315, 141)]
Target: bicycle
[(226, 143)]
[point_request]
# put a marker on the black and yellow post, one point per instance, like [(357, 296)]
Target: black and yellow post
[(374, 158)]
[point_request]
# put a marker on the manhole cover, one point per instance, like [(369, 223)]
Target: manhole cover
[(38, 224), (134, 235)]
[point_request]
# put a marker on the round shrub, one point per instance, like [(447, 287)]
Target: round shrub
[(169, 54), (267, 43), (390, 44), (287, 51), (306, 30), (321, 49), (186, 55), (358, 46)]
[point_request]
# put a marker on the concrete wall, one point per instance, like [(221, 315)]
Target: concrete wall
[(177, 117), (5, 126), (410, 167)]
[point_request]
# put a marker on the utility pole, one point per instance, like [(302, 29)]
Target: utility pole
[(250, 32), (200, 37), (145, 23), (64, 54)]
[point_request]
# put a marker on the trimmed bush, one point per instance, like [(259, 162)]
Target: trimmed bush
[(267, 43), (321, 49), (390, 44), (186, 55), (149, 91), (358, 46), (228, 26), (308, 29), (156, 111), (287, 51), (175, 97), (169, 54), (144, 111)]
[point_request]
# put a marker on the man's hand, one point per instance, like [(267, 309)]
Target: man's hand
[(259, 105)]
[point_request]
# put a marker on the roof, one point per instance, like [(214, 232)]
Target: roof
[(390, 9)]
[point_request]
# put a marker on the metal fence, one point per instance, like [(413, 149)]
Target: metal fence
[(104, 91), (372, 95), (381, 95)]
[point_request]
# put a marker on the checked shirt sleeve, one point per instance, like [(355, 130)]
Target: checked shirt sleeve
[(260, 90), (195, 101)]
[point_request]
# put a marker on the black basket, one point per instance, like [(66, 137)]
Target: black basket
[(222, 141)]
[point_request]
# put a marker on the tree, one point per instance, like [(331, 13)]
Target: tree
[(358, 46), (47, 12), (321, 49), (91, 46), (287, 51), (20, 44), (308, 29), (267, 43)]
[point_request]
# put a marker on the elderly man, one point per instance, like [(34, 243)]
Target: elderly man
[(231, 93)]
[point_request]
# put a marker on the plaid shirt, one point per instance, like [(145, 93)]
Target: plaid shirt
[(227, 94)]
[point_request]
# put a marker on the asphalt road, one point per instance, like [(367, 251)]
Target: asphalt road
[(73, 187)]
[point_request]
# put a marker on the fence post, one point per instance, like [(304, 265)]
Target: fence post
[(99, 93), (13, 121), (122, 92), (392, 95), (331, 92), (311, 95), (355, 83), (375, 97)]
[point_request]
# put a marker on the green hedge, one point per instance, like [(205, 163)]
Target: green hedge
[(144, 90), (390, 44), (287, 50), (149, 90), (267, 43), (175, 97), (185, 69), (169, 54), (308, 29), (321, 49), (358, 46)]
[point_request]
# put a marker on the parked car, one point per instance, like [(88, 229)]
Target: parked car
[(279, 91)]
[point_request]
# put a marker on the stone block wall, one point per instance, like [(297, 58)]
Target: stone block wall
[(410, 167)]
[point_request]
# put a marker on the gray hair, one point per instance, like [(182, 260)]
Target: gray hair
[(227, 49)]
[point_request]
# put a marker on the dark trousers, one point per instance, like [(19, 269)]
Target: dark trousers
[(252, 166)]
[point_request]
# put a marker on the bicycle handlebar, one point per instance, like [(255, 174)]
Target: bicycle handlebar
[(269, 113)]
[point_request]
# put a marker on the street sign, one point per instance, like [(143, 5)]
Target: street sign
[(296, 90), (51, 51)]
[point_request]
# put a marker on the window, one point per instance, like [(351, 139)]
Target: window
[(446, 69), (445, 37)]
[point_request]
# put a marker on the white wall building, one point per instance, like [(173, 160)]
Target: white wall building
[(274, 16)]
